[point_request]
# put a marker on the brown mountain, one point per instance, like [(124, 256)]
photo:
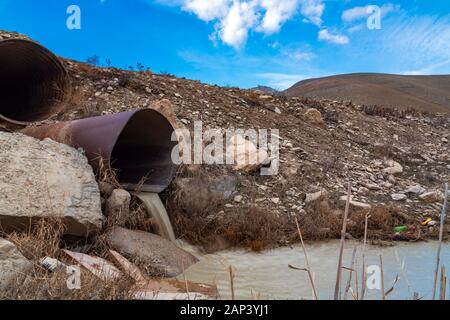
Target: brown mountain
[(426, 93)]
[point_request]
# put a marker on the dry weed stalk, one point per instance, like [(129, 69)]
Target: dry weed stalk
[(308, 269), (441, 233), (341, 250)]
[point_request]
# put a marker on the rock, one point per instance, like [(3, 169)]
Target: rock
[(265, 97), (247, 157), (160, 255), (399, 197), (313, 116), (393, 168), (275, 200), (355, 204), (310, 197), (41, 179), (118, 204), (417, 189), (13, 265), (432, 196), (372, 186), (238, 199)]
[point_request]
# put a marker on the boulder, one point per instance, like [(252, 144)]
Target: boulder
[(41, 179), (432, 196), (393, 168), (246, 155), (314, 117), (159, 255), (13, 265)]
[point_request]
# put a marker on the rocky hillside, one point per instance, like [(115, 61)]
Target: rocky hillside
[(424, 93), (396, 161)]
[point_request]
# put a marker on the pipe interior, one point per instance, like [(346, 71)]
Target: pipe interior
[(32, 80), (142, 153)]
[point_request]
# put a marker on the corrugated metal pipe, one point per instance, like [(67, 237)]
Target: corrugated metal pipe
[(33, 81)]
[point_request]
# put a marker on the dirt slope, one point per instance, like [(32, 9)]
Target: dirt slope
[(425, 93)]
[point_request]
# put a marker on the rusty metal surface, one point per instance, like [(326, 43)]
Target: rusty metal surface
[(32, 81), (137, 144)]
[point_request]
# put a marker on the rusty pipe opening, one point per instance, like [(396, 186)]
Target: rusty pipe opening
[(137, 145), (32, 80), (142, 153)]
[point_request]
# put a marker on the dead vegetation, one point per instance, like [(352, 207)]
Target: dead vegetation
[(44, 239)]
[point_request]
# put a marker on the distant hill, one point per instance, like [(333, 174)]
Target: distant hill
[(265, 89), (425, 93)]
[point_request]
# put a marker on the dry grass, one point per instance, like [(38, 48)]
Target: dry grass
[(44, 238), (391, 113)]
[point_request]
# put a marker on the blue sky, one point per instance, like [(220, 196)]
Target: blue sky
[(244, 42)]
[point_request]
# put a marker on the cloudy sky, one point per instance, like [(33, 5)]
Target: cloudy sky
[(245, 42)]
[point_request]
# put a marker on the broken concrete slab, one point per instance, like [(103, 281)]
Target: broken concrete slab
[(130, 269), (164, 289), (99, 267), (160, 255), (13, 265), (40, 179)]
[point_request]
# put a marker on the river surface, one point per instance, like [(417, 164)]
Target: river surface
[(267, 275)]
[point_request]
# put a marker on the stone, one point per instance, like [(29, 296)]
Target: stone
[(118, 203), (417, 189), (314, 117), (238, 199), (432, 196), (393, 168), (161, 256), (275, 200), (246, 155), (41, 179), (355, 204), (13, 265), (310, 197), (399, 197)]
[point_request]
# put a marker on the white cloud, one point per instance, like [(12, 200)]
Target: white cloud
[(313, 10), (277, 12), (234, 27), (325, 35), (207, 10), (358, 13), (235, 18)]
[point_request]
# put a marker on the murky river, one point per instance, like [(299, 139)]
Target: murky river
[(267, 275)]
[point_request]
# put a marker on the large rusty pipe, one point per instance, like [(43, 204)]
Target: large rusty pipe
[(136, 144), (33, 81)]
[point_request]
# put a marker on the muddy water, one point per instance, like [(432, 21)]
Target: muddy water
[(267, 275)]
